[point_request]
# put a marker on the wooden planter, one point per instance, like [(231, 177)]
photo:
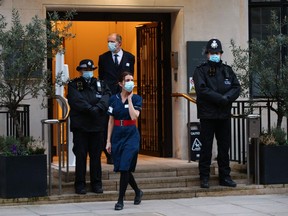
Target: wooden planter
[(23, 176), (273, 164)]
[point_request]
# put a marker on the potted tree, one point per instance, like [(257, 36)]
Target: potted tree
[(23, 161), (262, 68), (272, 156), (24, 52)]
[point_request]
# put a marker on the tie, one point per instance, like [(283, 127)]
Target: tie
[(116, 60)]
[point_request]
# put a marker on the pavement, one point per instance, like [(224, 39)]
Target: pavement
[(251, 205)]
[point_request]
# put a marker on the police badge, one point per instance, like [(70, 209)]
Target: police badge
[(214, 44)]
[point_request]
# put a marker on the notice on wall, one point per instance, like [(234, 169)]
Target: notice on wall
[(195, 56), (191, 86)]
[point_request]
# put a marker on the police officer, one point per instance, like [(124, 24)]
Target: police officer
[(216, 88), (88, 99)]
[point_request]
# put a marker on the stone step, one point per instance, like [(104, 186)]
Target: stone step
[(159, 178), (156, 182), (152, 172), (143, 173), (153, 194)]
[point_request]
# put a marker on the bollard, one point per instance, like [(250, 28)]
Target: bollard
[(253, 132)]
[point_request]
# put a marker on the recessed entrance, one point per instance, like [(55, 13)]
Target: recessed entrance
[(148, 37)]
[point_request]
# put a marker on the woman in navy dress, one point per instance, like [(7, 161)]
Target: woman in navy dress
[(123, 139)]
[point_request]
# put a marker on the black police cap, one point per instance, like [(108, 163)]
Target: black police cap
[(85, 64), (213, 45)]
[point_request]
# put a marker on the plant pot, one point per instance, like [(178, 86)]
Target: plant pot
[(23, 176), (273, 162)]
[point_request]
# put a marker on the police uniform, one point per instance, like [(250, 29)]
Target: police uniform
[(216, 88), (88, 100)]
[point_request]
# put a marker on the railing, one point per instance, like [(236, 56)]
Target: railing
[(7, 123), (240, 110), (189, 99)]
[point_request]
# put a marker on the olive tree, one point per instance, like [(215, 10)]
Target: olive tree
[(263, 68), (24, 50)]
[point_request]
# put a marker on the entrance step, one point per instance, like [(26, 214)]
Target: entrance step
[(159, 178)]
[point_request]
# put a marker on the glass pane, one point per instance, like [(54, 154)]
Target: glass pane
[(256, 32), (260, 18), (256, 15)]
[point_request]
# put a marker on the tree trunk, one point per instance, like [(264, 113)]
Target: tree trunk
[(279, 120), (16, 122)]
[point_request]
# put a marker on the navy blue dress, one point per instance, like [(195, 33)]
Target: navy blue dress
[(125, 140)]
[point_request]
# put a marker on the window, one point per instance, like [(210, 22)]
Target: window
[(259, 18)]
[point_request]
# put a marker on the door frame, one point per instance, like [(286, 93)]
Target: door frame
[(165, 19)]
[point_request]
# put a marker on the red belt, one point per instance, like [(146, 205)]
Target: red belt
[(124, 122)]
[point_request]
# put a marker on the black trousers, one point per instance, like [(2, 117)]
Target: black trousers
[(88, 143), (221, 129)]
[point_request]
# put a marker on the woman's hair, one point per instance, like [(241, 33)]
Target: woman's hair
[(123, 75)]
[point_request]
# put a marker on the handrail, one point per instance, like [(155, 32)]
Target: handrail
[(176, 94), (64, 105), (193, 100)]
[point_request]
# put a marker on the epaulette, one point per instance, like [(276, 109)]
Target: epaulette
[(75, 79), (202, 64), (226, 72), (226, 65)]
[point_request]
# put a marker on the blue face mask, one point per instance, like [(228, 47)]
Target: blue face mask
[(214, 58), (87, 74), (112, 46), (129, 86)]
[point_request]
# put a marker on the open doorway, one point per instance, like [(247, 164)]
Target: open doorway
[(153, 77)]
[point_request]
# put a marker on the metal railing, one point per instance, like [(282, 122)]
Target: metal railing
[(240, 110), (193, 100), (8, 127)]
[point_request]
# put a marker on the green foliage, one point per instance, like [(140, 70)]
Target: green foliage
[(267, 139), (23, 56), (11, 146), (264, 65), (277, 136), (280, 136)]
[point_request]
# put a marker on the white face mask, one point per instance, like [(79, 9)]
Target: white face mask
[(112, 46)]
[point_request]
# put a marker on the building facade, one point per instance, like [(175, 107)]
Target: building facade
[(189, 21)]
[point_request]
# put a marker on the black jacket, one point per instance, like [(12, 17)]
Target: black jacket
[(110, 73), (216, 88), (89, 104)]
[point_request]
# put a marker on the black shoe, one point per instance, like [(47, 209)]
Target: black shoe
[(138, 198), (109, 160), (98, 190), (119, 206), (204, 183), (80, 191), (227, 182)]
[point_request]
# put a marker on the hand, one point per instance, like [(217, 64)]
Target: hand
[(223, 101), (130, 95), (108, 147), (94, 110)]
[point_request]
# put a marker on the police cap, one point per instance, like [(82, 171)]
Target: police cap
[(86, 64), (213, 45)]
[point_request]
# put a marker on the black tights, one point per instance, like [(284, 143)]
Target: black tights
[(126, 178)]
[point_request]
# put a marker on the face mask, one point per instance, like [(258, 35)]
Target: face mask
[(129, 86), (215, 58), (112, 46), (87, 74)]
